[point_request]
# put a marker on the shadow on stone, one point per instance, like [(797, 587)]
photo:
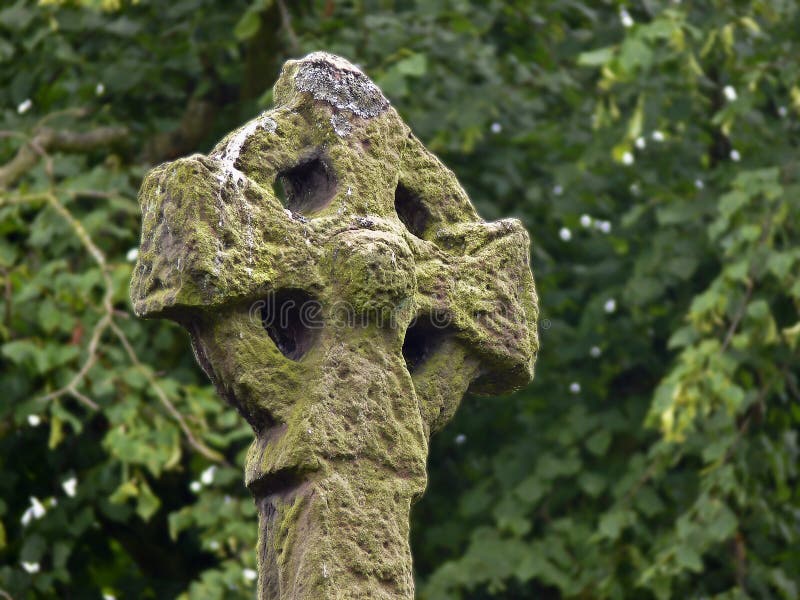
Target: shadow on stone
[(411, 210), (307, 188), (287, 320)]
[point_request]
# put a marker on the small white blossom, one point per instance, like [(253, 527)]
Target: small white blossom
[(195, 486), (735, 156), (38, 508), (782, 111), (635, 189), (575, 387), (586, 221), (698, 183), (100, 89), (24, 106), (109, 597), (625, 18), (565, 234), (558, 190), (640, 143), (730, 93), (595, 352), (70, 485), (207, 476), (34, 420), (610, 306), (35, 511), (627, 158), (249, 575), (460, 439), (604, 226), (132, 255), (213, 545), (657, 136), (496, 127), (30, 567)]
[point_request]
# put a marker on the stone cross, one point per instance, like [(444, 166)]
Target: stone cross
[(344, 317)]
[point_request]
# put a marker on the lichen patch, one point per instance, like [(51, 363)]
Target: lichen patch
[(340, 84)]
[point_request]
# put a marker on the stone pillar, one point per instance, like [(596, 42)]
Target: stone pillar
[(344, 317)]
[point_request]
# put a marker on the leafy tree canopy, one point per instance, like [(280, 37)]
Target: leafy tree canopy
[(651, 150)]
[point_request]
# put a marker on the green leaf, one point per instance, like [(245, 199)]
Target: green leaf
[(596, 58), (148, 503), (415, 65), (687, 557), (249, 24)]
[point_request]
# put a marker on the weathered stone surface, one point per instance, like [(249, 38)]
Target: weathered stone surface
[(345, 323)]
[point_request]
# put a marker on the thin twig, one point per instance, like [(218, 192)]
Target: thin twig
[(737, 318), (165, 401), (286, 23), (45, 140)]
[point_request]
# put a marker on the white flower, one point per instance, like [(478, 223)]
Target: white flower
[(195, 486), (460, 439), (213, 545), (635, 189), (132, 255), (604, 226), (100, 89), (565, 234), (24, 106), (595, 352), (249, 575), (586, 221), (698, 183), (627, 158), (735, 156), (70, 485), (558, 190), (496, 127), (657, 136), (610, 306), (30, 567), (782, 111), (207, 476), (575, 387), (34, 420), (730, 93), (640, 143), (37, 508), (109, 597), (625, 18), (35, 511)]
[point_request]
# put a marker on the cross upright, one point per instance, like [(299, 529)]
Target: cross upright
[(344, 316)]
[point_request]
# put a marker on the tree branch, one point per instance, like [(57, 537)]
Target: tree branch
[(46, 140)]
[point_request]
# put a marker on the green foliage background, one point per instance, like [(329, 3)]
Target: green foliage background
[(650, 148)]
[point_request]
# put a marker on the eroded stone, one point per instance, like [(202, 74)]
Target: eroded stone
[(345, 325)]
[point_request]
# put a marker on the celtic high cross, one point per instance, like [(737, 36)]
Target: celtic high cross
[(344, 317)]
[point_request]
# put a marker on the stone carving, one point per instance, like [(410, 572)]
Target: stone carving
[(344, 322)]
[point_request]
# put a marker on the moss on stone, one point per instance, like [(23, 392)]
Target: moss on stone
[(420, 301)]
